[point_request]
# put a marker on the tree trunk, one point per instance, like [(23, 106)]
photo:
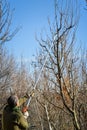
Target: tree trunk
[(50, 127)]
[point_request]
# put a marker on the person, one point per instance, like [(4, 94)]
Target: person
[(13, 118)]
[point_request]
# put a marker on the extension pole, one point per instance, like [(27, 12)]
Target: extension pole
[(29, 100)]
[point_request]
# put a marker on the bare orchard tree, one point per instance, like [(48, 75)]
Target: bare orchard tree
[(7, 69), (59, 50), (22, 81), (49, 107), (6, 62), (82, 98), (5, 22)]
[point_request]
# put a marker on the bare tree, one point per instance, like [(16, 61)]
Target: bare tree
[(7, 67), (82, 98), (22, 81), (5, 22), (62, 61)]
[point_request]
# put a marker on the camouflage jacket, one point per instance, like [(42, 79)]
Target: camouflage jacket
[(13, 119)]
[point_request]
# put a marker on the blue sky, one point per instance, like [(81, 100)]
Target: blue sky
[(31, 16)]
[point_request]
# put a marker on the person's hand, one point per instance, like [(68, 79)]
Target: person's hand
[(26, 114), (24, 109)]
